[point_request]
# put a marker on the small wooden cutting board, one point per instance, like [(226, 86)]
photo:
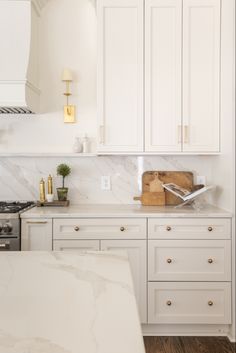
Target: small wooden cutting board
[(183, 179)]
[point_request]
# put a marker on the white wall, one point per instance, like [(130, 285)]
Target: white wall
[(68, 39)]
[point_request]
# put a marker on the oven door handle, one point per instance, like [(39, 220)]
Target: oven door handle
[(4, 246)]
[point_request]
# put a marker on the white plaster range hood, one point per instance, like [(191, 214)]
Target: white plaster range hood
[(19, 36)]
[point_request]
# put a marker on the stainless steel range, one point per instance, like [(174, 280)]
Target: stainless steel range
[(10, 224)]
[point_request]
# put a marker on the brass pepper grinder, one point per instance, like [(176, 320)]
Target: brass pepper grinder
[(42, 190), (50, 187)]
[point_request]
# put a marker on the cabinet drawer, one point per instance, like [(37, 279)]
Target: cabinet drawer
[(189, 303), (189, 260), (189, 228), (99, 228), (76, 245)]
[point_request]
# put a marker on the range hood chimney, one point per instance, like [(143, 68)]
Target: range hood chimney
[(19, 42)]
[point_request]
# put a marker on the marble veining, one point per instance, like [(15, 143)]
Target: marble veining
[(19, 177), (64, 302)]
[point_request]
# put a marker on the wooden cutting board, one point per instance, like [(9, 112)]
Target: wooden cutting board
[(184, 179)]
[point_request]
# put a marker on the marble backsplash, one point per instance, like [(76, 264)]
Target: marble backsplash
[(19, 177)]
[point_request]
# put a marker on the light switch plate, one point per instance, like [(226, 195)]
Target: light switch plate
[(106, 182)]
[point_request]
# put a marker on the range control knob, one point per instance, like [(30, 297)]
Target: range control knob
[(7, 227)]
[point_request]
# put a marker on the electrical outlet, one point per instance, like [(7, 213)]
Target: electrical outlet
[(201, 180), (106, 182)]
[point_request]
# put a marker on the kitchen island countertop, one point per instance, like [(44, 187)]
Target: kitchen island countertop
[(136, 211), (60, 302)]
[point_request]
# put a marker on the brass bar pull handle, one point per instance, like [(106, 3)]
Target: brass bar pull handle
[(36, 222), (179, 133), (186, 137), (101, 134)]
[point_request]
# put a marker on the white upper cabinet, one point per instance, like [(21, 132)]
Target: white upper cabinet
[(159, 76), (201, 75), (163, 41), (120, 75)]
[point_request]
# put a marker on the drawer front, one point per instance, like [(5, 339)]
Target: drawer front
[(189, 303), (100, 228), (76, 245), (189, 228), (189, 260)]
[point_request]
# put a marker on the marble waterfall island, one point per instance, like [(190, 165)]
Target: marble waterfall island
[(61, 302)]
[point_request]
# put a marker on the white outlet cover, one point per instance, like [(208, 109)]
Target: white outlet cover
[(106, 182), (201, 179)]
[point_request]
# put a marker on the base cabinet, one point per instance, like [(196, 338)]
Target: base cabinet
[(36, 234), (189, 303), (76, 245), (136, 250)]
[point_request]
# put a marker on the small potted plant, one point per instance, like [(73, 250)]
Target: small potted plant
[(63, 170)]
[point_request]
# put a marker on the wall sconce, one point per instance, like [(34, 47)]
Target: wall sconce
[(69, 110)]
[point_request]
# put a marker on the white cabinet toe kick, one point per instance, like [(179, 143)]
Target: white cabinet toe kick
[(181, 266)]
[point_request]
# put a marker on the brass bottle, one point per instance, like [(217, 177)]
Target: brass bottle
[(42, 190), (50, 187)]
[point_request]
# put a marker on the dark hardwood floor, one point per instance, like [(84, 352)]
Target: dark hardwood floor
[(188, 345)]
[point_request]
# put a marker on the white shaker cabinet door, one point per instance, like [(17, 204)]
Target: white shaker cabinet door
[(120, 75), (136, 250), (201, 75), (76, 245), (163, 76), (36, 234)]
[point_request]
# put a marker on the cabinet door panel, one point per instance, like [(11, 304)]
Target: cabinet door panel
[(136, 250), (201, 75), (76, 245), (36, 234), (189, 303), (120, 75), (163, 48)]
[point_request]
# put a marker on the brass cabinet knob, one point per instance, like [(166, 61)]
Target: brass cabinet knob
[(210, 261), (122, 229), (169, 261), (168, 302), (210, 229), (210, 303), (76, 228), (168, 228)]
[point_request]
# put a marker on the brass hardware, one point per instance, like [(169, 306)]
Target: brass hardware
[(210, 261), (179, 133), (168, 228), (186, 134), (168, 303), (210, 303), (122, 229), (169, 261), (101, 134), (210, 229), (36, 222), (69, 114), (76, 228), (69, 110)]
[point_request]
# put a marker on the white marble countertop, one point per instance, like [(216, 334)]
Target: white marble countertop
[(122, 211), (59, 302)]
